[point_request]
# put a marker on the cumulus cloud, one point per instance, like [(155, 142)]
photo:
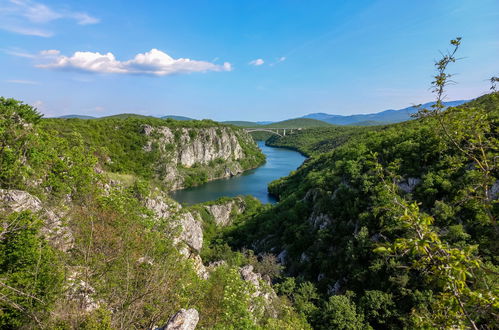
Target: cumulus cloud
[(257, 62), (154, 62), (29, 17)]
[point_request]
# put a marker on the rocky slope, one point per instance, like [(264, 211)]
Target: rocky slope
[(209, 153), (176, 154)]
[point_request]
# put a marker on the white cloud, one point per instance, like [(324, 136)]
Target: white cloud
[(50, 52), (281, 59), (154, 62), (24, 82), (29, 17), (257, 62)]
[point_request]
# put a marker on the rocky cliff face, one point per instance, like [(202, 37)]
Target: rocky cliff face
[(53, 228), (189, 156), (223, 212)]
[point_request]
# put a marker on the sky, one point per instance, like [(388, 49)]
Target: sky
[(240, 60)]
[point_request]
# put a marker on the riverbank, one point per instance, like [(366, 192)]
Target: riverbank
[(280, 162)]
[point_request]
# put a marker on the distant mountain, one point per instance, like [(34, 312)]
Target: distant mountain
[(383, 117), (298, 123), (76, 116), (264, 122), (126, 115), (176, 117), (241, 123)]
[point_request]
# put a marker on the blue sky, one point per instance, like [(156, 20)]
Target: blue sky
[(240, 60)]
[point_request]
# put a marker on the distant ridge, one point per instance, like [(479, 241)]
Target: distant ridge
[(125, 115), (383, 117), (241, 123), (298, 123), (76, 116)]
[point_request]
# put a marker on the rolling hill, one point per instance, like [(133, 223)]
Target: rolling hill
[(175, 117), (125, 116), (241, 123)]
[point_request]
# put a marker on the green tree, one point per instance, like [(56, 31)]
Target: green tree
[(30, 272)]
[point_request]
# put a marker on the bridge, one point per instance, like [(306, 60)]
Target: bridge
[(278, 131)]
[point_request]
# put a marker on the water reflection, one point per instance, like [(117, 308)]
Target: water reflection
[(280, 162)]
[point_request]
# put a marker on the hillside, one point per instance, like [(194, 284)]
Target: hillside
[(314, 141), (175, 117), (90, 240), (126, 116), (298, 123), (241, 123), (383, 117), (174, 153), (386, 222)]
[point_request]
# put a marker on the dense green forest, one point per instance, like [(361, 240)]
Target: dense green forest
[(392, 226)]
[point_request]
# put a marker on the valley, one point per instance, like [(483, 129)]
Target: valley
[(186, 202)]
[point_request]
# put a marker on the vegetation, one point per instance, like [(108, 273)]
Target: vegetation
[(119, 143), (314, 141), (298, 123), (337, 209), (384, 227), (122, 269)]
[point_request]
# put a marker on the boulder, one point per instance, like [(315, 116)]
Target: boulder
[(185, 319)]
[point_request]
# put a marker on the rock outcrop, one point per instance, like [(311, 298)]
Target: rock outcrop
[(222, 213), (218, 149), (53, 228), (185, 319), (191, 231), (262, 289), (408, 185)]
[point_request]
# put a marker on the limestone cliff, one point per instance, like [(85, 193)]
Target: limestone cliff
[(191, 156)]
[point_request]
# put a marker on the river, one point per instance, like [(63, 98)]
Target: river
[(280, 162)]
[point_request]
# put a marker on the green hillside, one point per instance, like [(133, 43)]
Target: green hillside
[(298, 123), (175, 117), (396, 224), (242, 123), (313, 141)]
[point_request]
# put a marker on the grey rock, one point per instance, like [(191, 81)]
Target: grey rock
[(80, 291), (494, 191), (185, 319), (18, 201), (222, 212), (190, 146), (281, 257), (408, 185), (191, 231), (199, 267), (319, 220), (162, 206), (261, 289)]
